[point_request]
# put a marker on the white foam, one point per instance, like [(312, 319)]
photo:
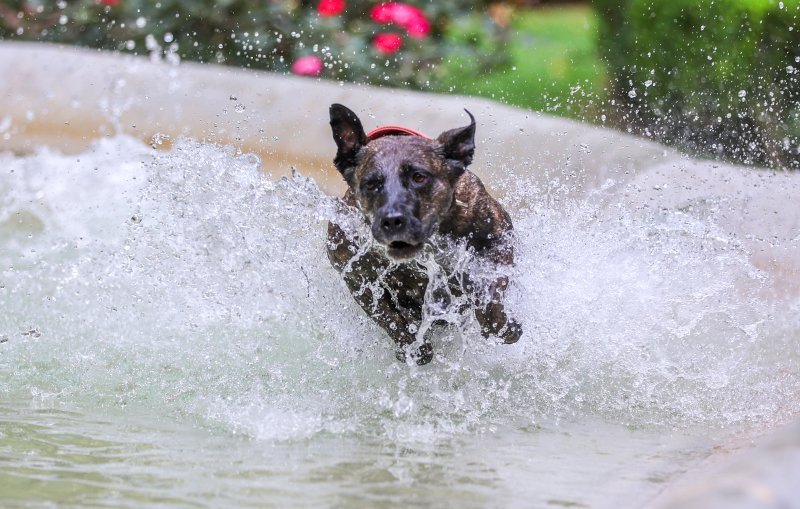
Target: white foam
[(189, 281)]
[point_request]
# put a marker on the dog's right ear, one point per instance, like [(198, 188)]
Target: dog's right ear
[(349, 137)]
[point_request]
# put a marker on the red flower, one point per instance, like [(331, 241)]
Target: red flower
[(309, 65), (387, 43), (108, 2), (407, 16), (331, 7)]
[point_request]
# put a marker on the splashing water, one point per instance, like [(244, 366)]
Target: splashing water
[(189, 282)]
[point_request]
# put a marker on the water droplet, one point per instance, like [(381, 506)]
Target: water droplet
[(632, 93), (158, 139), (742, 93), (239, 108), (33, 332)]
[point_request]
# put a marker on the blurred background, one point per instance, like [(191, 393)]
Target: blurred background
[(713, 78)]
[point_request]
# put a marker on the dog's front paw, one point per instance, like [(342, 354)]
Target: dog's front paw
[(495, 322), (500, 326), (511, 332), (508, 333), (420, 355)]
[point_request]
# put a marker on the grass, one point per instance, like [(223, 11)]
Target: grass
[(553, 65)]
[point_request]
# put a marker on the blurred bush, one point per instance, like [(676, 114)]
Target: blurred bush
[(398, 44), (717, 77)]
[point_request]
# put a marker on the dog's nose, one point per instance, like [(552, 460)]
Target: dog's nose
[(394, 223)]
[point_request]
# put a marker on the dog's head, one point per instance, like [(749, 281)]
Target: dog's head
[(403, 184)]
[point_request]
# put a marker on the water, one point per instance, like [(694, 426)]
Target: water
[(173, 335)]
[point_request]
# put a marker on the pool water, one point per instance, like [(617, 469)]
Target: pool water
[(172, 335)]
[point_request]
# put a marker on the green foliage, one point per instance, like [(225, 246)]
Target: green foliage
[(611, 32), (720, 77), (260, 34), (553, 64)]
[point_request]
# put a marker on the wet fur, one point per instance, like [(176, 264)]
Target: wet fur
[(382, 177)]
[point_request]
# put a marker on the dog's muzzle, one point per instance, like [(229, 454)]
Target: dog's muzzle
[(400, 233)]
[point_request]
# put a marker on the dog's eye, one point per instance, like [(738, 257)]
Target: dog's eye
[(419, 177), (372, 185)]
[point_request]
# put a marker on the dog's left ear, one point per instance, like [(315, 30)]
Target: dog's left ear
[(349, 137), (459, 146)]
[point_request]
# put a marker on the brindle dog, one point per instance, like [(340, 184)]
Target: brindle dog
[(409, 189)]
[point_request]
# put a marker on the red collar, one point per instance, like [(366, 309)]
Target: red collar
[(393, 130)]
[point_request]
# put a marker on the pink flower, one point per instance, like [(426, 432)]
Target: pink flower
[(387, 43), (331, 7), (309, 65), (383, 13), (418, 28), (407, 16)]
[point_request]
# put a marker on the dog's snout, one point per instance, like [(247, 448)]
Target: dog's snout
[(394, 223)]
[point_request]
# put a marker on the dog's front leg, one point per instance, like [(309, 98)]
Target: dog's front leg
[(492, 315), (361, 275), (385, 313)]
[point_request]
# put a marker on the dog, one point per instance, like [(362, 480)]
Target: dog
[(412, 190)]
